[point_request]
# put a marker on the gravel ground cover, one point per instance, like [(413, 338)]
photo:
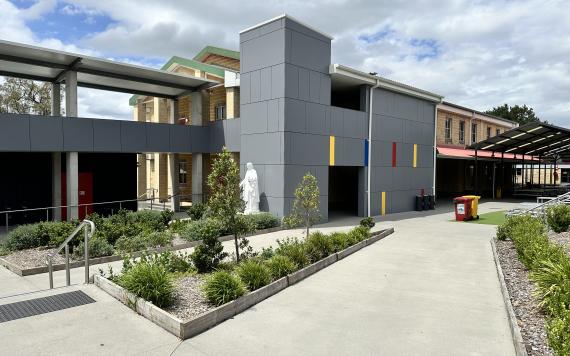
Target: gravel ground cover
[(189, 300), (35, 257), (529, 317)]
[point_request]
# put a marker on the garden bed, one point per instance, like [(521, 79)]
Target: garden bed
[(529, 317), (33, 261), (189, 316)]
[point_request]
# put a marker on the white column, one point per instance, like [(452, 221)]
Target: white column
[(173, 160), (56, 158), (72, 158), (198, 119)]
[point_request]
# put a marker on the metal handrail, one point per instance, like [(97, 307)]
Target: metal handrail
[(550, 202), (65, 244)]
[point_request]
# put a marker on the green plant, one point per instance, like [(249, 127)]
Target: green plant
[(196, 211), (339, 241), (504, 231), (359, 233), (558, 329), (98, 247), (193, 230), (318, 246), (4, 250), (266, 253), (552, 279), (25, 236), (56, 231), (149, 281), (558, 217), (367, 222), (294, 250), (305, 210), (262, 221), (222, 287), (225, 201), (178, 226), (210, 252), (280, 266), (254, 274)]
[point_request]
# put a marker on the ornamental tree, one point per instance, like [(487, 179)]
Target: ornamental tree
[(305, 211), (225, 201)]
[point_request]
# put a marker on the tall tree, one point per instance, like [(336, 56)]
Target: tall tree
[(305, 210), (23, 96), (519, 114), (225, 201)]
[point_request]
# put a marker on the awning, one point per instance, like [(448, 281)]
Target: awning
[(536, 138), (36, 63), (464, 153)]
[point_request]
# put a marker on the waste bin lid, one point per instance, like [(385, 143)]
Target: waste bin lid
[(462, 200), (477, 197)]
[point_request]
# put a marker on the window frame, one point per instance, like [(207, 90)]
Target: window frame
[(220, 115), (182, 172), (473, 132), (448, 129), (488, 131), (461, 132)]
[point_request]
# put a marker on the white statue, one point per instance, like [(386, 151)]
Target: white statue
[(250, 193)]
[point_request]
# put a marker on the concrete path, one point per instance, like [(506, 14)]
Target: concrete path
[(428, 289)]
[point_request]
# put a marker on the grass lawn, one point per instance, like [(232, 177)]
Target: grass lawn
[(493, 218)]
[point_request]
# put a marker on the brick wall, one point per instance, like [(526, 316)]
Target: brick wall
[(217, 97), (455, 120)]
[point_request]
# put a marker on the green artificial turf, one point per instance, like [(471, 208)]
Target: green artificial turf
[(493, 218)]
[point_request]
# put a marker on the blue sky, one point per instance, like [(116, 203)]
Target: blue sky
[(477, 54)]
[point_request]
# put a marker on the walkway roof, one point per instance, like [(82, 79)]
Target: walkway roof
[(36, 63), (535, 138)]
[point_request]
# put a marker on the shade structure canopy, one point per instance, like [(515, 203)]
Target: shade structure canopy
[(36, 63), (534, 139)]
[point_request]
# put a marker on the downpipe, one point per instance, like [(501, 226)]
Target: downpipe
[(369, 174)]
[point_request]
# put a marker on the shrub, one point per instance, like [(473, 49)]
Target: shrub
[(172, 262), (504, 231), (367, 222), (25, 236), (266, 253), (196, 211), (178, 225), (222, 287), (558, 329), (4, 250), (552, 279), (558, 217), (98, 247), (294, 249), (150, 219), (339, 241), (56, 231), (318, 246), (280, 266), (262, 221), (195, 230), (359, 233), (209, 254), (149, 281), (254, 274)]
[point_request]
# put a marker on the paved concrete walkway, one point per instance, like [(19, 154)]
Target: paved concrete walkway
[(428, 289)]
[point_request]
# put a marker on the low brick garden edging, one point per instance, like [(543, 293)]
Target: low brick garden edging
[(185, 329), (520, 349), (113, 258)]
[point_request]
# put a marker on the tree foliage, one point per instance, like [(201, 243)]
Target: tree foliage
[(519, 114), (23, 96), (225, 201), (305, 210)]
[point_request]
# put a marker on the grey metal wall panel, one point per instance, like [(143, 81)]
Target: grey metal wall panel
[(422, 178), (382, 178), (272, 115), (296, 115), (425, 156), (325, 95), (314, 86), (308, 149), (264, 51), (337, 121), (261, 148), (14, 132), (245, 88), (278, 81), (402, 178), (309, 52), (180, 138), (387, 128), (158, 138), (291, 83), (232, 134), (77, 134), (200, 138), (355, 124), (381, 153), (265, 77), (353, 152), (316, 119), (304, 87), (106, 136), (255, 85), (133, 137), (46, 134), (304, 30), (274, 174), (254, 117), (404, 154), (262, 30), (216, 138)]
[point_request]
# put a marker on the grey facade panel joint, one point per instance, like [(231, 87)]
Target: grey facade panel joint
[(285, 16)]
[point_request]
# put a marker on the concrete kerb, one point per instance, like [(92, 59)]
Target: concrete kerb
[(520, 347), (207, 320), (106, 259)]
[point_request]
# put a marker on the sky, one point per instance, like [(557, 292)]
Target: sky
[(478, 54)]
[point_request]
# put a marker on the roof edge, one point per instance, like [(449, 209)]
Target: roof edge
[(282, 16), (225, 52), (478, 112)]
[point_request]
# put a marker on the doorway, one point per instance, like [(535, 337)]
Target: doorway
[(343, 190)]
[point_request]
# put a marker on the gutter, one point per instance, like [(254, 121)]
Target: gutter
[(371, 91)]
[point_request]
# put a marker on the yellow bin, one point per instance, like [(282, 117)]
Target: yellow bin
[(474, 205)]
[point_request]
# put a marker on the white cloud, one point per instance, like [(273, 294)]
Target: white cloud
[(488, 52)]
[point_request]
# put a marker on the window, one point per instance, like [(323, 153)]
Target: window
[(488, 132), (461, 131), (497, 132), (220, 112), (473, 133), (182, 172), (519, 171), (565, 178), (447, 130)]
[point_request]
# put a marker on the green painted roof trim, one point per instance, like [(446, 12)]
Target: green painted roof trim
[(217, 50), (218, 71)]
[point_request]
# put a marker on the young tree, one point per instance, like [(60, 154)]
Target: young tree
[(306, 205), (519, 114), (225, 201), (23, 96)]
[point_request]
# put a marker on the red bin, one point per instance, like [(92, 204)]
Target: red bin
[(462, 208)]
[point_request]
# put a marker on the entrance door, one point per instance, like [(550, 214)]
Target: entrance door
[(85, 194)]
